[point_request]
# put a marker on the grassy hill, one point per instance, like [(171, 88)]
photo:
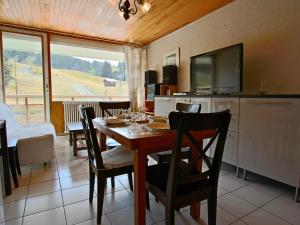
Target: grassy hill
[(64, 83)]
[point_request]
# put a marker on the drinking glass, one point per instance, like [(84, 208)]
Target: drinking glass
[(124, 113), (135, 116)]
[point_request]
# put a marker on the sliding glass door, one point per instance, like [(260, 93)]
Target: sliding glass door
[(23, 76)]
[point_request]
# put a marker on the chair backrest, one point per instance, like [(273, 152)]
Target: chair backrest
[(108, 107), (187, 126), (87, 114), (185, 107)]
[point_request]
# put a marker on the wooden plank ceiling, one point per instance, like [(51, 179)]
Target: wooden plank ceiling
[(101, 19)]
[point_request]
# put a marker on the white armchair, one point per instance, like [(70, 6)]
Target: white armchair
[(35, 141)]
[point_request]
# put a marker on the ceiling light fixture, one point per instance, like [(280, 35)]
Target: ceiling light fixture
[(126, 8)]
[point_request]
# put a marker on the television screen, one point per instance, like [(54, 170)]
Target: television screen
[(219, 71)]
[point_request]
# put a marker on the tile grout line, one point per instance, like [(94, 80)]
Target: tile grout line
[(62, 199), (26, 195)]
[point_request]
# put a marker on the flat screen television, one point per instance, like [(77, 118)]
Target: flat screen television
[(219, 71)]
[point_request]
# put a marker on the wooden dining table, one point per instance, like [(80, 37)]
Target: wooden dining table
[(141, 141)]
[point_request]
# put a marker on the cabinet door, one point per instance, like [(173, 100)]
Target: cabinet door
[(230, 154), (233, 104), (163, 106), (269, 138), (221, 104), (181, 100), (205, 104)]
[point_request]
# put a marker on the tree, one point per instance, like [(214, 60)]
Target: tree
[(97, 68), (107, 70), (122, 74), (7, 71)]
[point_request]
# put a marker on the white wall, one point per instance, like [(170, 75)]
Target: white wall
[(269, 29)]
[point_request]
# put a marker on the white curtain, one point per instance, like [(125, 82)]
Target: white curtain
[(136, 64)]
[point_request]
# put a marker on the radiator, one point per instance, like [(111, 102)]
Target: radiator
[(71, 113)]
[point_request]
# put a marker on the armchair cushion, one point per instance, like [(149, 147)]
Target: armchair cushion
[(37, 149), (35, 141)]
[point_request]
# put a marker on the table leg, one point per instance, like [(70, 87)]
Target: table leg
[(196, 207), (102, 141), (139, 188)]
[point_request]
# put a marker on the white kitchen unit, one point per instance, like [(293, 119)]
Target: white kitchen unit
[(269, 138), (230, 154), (181, 100), (163, 106), (263, 136), (205, 103)]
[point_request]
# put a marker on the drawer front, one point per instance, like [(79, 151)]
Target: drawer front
[(221, 104)]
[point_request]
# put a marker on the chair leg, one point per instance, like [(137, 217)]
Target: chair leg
[(17, 161), (170, 216), (212, 209), (130, 181), (12, 164), (92, 185), (100, 197), (112, 179), (147, 200), (70, 138), (74, 141)]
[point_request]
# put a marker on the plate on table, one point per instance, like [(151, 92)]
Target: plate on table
[(159, 126), (114, 120)]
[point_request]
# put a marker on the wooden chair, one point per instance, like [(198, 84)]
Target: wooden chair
[(185, 107), (162, 157), (104, 164), (179, 183), (112, 108)]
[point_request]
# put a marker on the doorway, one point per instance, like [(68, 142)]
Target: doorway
[(24, 76)]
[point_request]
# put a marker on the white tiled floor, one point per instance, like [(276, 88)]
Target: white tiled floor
[(58, 194)]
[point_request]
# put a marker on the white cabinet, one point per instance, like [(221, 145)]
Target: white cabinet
[(181, 100), (230, 154), (269, 138), (263, 136), (205, 103), (220, 104), (163, 106)]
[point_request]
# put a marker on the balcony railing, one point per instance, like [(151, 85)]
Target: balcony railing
[(30, 107)]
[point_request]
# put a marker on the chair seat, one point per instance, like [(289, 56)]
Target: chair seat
[(117, 157), (157, 176), (111, 143), (166, 155)]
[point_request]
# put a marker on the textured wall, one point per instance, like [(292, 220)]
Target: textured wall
[(269, 29)]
